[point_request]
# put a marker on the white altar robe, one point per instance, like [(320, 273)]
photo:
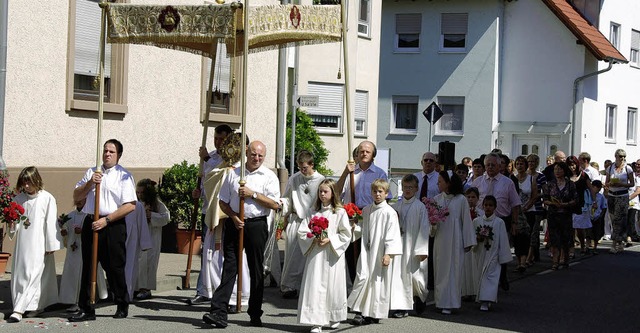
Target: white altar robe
[(468, 281), (148, 260), (452, 236), (72, 271), (486, 268), (409, 273), (33, 274), (380, 233), (323, 293), (301, 192), (138, 239)]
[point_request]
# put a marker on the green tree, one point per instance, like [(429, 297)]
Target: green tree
[(307, 139), (175, 191)]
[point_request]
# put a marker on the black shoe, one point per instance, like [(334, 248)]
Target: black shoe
[(82, 316), (291, 294), (419, 306), (371, 320), (255, 322), (232, 309), (199, 300), (357, 320), (400, 314), (214, 320)]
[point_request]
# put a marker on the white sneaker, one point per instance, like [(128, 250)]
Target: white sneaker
[(446, 311), (316, 329), (484, 306), (14, 318), (334, 324)]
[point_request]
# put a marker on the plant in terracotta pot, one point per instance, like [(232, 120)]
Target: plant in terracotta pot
[(178, 182), (6, 198)]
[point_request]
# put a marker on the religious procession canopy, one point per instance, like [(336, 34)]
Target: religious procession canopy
[(197, 28)]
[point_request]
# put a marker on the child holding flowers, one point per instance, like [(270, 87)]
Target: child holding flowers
[(33, 274), (380, 233), (490, 253), (323, 295)]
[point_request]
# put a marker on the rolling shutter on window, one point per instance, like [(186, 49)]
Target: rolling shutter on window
[(222, 71), (405, 99), (362, 101), (330, 98), (408, 23), (635, 39), (454, 24), (87, 52)]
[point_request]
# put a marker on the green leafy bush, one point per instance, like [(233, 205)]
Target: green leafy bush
[(175, 191), (307, 139)]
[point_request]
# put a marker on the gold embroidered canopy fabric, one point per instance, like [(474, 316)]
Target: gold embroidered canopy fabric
[(196, 28)]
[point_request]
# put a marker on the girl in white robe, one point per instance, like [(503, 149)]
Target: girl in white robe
[(489, 255), (381, 240), (157, 216), (33, 273), (453, 237), (323, 298), (72, 271), (409, 284)]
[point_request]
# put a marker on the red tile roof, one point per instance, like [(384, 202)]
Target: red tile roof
[(589, 35)]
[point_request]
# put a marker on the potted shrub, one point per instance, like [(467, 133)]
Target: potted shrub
[(6, 196), (175, 191)]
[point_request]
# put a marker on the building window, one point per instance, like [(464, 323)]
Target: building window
[(635, 48), (83, 61), (327, 117), (610, 123), (405, 115), (362, 106), (632, 125), (614, 35), (225, 85), (364, 18), (453, 32), (408, 27), (452, 121)]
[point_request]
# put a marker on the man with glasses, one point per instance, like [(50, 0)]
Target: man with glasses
[(428, 177)]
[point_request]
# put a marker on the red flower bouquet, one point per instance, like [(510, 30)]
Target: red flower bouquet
[(353, 212), (14, 213), (318, 226)]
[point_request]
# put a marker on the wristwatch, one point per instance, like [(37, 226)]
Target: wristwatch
[(254, 195), (107, 219)]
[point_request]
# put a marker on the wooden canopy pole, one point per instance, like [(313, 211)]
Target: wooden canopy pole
[(96, 211), (196, 201)]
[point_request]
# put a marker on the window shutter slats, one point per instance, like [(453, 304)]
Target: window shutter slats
[(454, 23), (408, 23)]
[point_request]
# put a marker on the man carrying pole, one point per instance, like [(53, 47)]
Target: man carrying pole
[(117, 198), (260, 193)]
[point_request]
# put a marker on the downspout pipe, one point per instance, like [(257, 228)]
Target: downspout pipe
[(577, 81), (281, 117), (4, 15)]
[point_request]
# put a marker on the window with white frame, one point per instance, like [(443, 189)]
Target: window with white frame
[(452, 121), (364, 18), (408, 27), (453, 32), (327, 117), (83, 62), (614, 35), (362, 105), (635, 48), (610, 123), (632, 125), (222, 85), (405, 115)]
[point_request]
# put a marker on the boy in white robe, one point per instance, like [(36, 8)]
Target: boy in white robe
[(408, 286), (489, 254), (301, 193), (381, 240), (72, 271), (138, 239)]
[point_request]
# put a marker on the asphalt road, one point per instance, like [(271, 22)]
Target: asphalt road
[(596, 294)]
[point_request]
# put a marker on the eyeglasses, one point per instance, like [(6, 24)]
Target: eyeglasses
[(429, 160), (622, 156)]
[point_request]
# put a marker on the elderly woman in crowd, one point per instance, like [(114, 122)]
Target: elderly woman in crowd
[(560, 195)]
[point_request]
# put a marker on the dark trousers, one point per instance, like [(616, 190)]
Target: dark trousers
[(507, 223), (112, 257), (351, 259), (430, 276), (255, 239)]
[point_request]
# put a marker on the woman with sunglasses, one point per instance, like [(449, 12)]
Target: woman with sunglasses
[(619, 179)]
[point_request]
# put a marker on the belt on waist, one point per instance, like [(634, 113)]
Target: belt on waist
[(621, 192), (92, 216), (256, 219)]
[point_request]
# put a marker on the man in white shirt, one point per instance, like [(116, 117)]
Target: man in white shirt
[(261, 193), (117, 199), (211, 160), (585, 160)]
